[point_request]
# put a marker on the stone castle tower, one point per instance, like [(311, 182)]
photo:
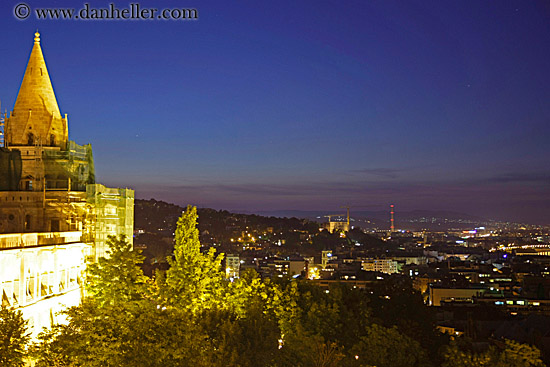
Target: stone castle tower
[(53, 215), (43, 176), (36, 118), (47, 182)]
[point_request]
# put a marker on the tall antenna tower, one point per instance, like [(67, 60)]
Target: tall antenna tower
[(2, 130), (392, 223)]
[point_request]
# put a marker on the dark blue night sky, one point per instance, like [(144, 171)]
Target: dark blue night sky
[(265, 105)]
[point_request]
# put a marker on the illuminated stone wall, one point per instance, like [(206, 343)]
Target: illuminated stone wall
[(42, 272), (56, 211)]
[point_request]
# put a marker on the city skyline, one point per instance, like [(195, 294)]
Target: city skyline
[(314, 106)]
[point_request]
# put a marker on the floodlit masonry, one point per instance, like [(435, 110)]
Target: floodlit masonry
[(53, 214), (41, 272)]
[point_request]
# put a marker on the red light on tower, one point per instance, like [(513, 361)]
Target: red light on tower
[(392, 226)]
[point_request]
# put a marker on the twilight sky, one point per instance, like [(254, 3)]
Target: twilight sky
[(265, 105)]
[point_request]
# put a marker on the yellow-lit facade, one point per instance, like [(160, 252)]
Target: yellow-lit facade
[(112, 210), (387, 266), (232, 266), (41, 273)]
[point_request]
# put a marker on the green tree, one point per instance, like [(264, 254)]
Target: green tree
[(13, 337), (388, 347), (454, 356), (243, 329), (117, 278), (245, 341), (303, 348), (512, 354), (519, 355), (131, 334), (194, 280)]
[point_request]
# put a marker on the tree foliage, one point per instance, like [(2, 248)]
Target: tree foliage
[(511, 354), (13, 337), (388, 347), (118, 278), (194, 279), (122, 335)]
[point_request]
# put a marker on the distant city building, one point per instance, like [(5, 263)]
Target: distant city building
[(232, 266), (387, 266), (337, 226), (326, 257), (533, 250), (53, 215), (297, 266), (408, 260), (439, 295)]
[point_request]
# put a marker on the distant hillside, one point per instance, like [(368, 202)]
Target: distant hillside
[(412, 220), (380, 214), (160, 217)]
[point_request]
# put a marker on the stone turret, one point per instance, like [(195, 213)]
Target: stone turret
[(47, 182), (36, 119)]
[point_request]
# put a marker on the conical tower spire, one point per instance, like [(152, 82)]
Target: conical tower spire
[(36, 92), (35, 117)]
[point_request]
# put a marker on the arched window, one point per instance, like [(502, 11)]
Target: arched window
[(52, 140), (30, 138)]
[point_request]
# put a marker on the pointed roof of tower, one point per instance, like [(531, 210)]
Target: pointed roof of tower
[(36, 92)]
